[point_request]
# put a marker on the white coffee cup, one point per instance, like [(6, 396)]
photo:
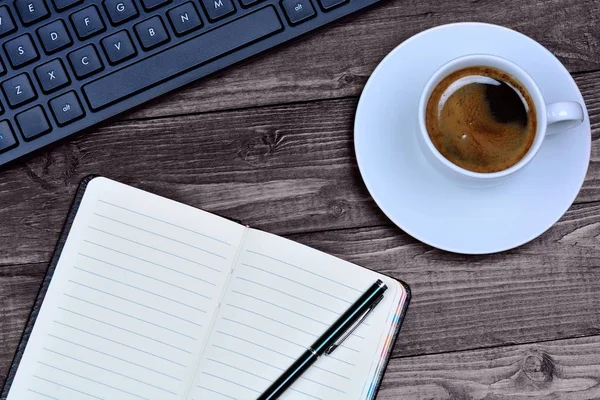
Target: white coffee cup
[(552, 118)]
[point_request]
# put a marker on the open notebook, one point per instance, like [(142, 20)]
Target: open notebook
[(150, 299)]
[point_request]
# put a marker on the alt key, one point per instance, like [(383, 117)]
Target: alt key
[(66, 108), (298, 11)]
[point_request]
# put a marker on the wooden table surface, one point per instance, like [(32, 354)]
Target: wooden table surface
[(269, 142)]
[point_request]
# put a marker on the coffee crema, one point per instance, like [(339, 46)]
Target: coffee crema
[(481, 119)]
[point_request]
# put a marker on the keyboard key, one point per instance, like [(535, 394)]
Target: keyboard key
[(7, 137), (118, 47), (329, 4), (298, 11), (7, 24), (18, 90), (52, 76), (66, 108), (217, 9), (33, 123), (64, 4), (182, 57), (21, 51), (151, 33), (2, 68), (87, 22), (151, 4), (248, 3), (31, 10), (185, 18), (120, 11), (85, 61), (54, 36)]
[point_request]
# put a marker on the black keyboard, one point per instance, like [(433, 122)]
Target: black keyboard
[(66, 65)]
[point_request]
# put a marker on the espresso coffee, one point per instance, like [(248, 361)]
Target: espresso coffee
[(481, 119)]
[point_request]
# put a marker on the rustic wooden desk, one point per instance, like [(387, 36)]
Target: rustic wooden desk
[(269, 142)]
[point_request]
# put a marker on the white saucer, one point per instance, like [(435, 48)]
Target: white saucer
[(421, 201)]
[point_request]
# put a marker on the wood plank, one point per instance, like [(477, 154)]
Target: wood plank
[(565, 369), (337, 61), (546, 290), (19, 285), (284, 169)]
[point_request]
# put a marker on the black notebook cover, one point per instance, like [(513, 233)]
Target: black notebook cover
[(50, 272)]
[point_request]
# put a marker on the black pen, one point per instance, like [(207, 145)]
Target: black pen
[(329, 341)]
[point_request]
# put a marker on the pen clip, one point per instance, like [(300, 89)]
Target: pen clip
[(354, 327)]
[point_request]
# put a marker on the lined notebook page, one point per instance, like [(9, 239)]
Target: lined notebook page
[(281, 297), (131, 300)]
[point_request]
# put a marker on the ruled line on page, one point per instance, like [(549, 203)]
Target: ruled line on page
[(147, 261), (44, 395), (108, 370), (276, 367), (269, 380), (296, 282), (149, 291), (121, 344), (289, 295), (271, 319), (131, 316), (251, 389), (146, 246), (135, 302), (113, 356), (278, 306), (284, 339), (165, 222), (92, 380), (256, 344), (217, 392), (265, 332), (305, 270), (126, 330), (230, 381), (162, 236), (354, 334), (277, 352), (67, 387), (288, 325)]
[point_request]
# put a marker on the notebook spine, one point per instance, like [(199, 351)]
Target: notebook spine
[(217, 313)]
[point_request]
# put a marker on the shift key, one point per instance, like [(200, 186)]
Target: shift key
[(181, 58)]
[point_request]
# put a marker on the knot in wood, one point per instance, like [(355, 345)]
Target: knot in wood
[(539, 367), (348, 79), (337, 210), (261, 146), (56, 167)]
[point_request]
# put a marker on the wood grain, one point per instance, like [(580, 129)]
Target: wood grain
[(19, 285), (283, 169), (546, 290), (337, 61), (565, 369), (270, 142)]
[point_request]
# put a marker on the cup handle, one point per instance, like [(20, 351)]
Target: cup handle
[(563, 116)]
